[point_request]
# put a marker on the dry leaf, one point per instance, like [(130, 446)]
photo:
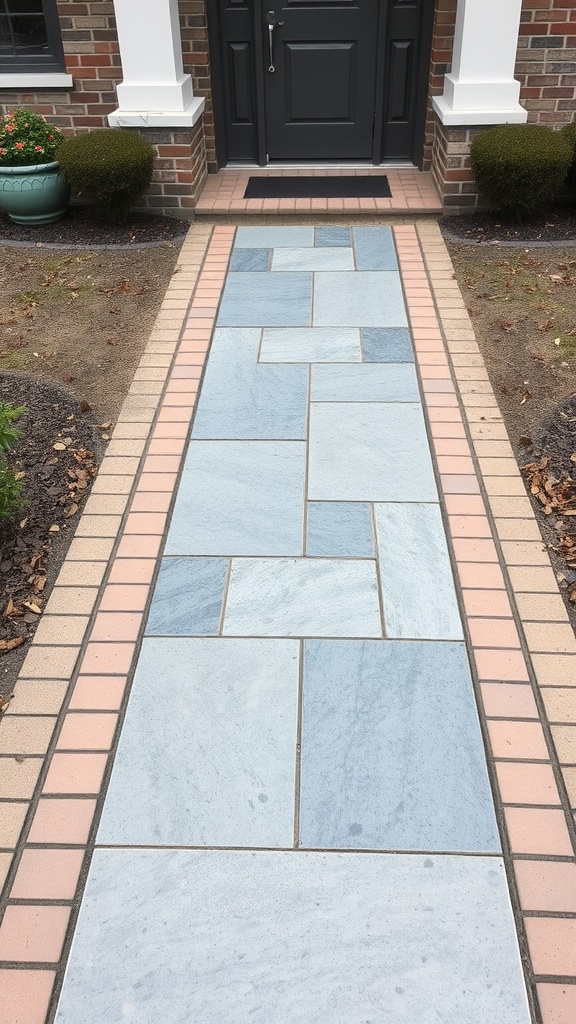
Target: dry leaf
[(9, 645)]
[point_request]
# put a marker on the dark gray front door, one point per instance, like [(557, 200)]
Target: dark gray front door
[(320, 97), (349, 81)]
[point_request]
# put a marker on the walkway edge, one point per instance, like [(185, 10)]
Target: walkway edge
[(56, 738)]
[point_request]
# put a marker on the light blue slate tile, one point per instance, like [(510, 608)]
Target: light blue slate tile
[(311, 345), (387, 345), (250, 259), (242, 400), (187, 598), (273, 237), (334, 258), (333, 236), (392, 753), (374, 249), (339, 529), (415, 573), (207, 755), (302, 597), (369, 451), (240, 937), (240, 498), (390, 382), (358, 300), (266, 300)]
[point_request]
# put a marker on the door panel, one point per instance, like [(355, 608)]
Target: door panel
[(401, 78), (320, 98), (238, 63)]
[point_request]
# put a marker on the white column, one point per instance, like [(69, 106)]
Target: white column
[(481, 88), (154, 92)]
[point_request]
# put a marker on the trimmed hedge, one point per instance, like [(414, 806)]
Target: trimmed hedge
[(569, 133), (520, 167), (111, 168)]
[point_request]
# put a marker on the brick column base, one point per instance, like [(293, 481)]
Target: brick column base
[(451, 167), (180, 170)]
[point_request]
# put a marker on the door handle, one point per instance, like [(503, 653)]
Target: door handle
[(271, 19)]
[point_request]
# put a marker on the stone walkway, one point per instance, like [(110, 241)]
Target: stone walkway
[(332, 794)]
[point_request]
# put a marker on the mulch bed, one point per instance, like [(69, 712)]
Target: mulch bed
[(557, 225), (57, 453), (80, 226)]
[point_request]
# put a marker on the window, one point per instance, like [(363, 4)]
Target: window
[(30, 36)]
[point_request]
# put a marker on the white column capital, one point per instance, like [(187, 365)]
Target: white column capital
[(481, 88), (154, 92)]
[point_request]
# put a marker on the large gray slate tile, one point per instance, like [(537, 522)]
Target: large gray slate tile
[(266, 300), (369, 452), (302, 597), (273, 237), (374, 249), (392, 754), (187, 598), (240, 498), (234, 937), (365, 382), (339, 529), (358, 300), (326, 258), (207, 755), (415, 573), (241, 399), (311, 345)]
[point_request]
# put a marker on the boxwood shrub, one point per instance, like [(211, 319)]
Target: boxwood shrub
[(569, 133), (520, 167), (111, 168)]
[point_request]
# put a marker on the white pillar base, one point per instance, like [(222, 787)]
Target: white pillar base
[(186, 118), (481, 89), (452, 117)]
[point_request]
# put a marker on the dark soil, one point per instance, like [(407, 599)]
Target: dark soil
[(549, 462), (81, 317), (57, 453), (522, 303), (82, 227), (556, 225)]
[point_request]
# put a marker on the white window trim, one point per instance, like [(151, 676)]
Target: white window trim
[(26, 80)]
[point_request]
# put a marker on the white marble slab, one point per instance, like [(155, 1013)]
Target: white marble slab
[(302, 597), (415, 573), (232, 937), (337, 258), (311, 345), (371, 451), (207, 755), (240, 498)]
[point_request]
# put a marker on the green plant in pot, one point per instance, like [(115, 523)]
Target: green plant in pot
[(33, 189)]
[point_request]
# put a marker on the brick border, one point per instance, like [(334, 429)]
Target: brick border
[(522, 643), (57, 766)]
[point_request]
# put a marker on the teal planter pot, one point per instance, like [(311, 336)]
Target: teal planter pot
[(36, 194)]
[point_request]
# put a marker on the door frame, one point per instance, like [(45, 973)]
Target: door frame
[(217, 82)]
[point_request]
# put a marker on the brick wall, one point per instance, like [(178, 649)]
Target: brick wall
[(93, 58), (546, 70)]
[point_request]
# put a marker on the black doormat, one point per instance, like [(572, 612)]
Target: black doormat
[(324, 186)]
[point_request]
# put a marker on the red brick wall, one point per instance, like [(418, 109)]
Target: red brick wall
[(93, 58), (440, 64), (546, 60), (546, 70)]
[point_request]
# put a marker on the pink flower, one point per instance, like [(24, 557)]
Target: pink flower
[(10, 127), (38, 149), (51, 137), (19, 145), (3, 151)]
